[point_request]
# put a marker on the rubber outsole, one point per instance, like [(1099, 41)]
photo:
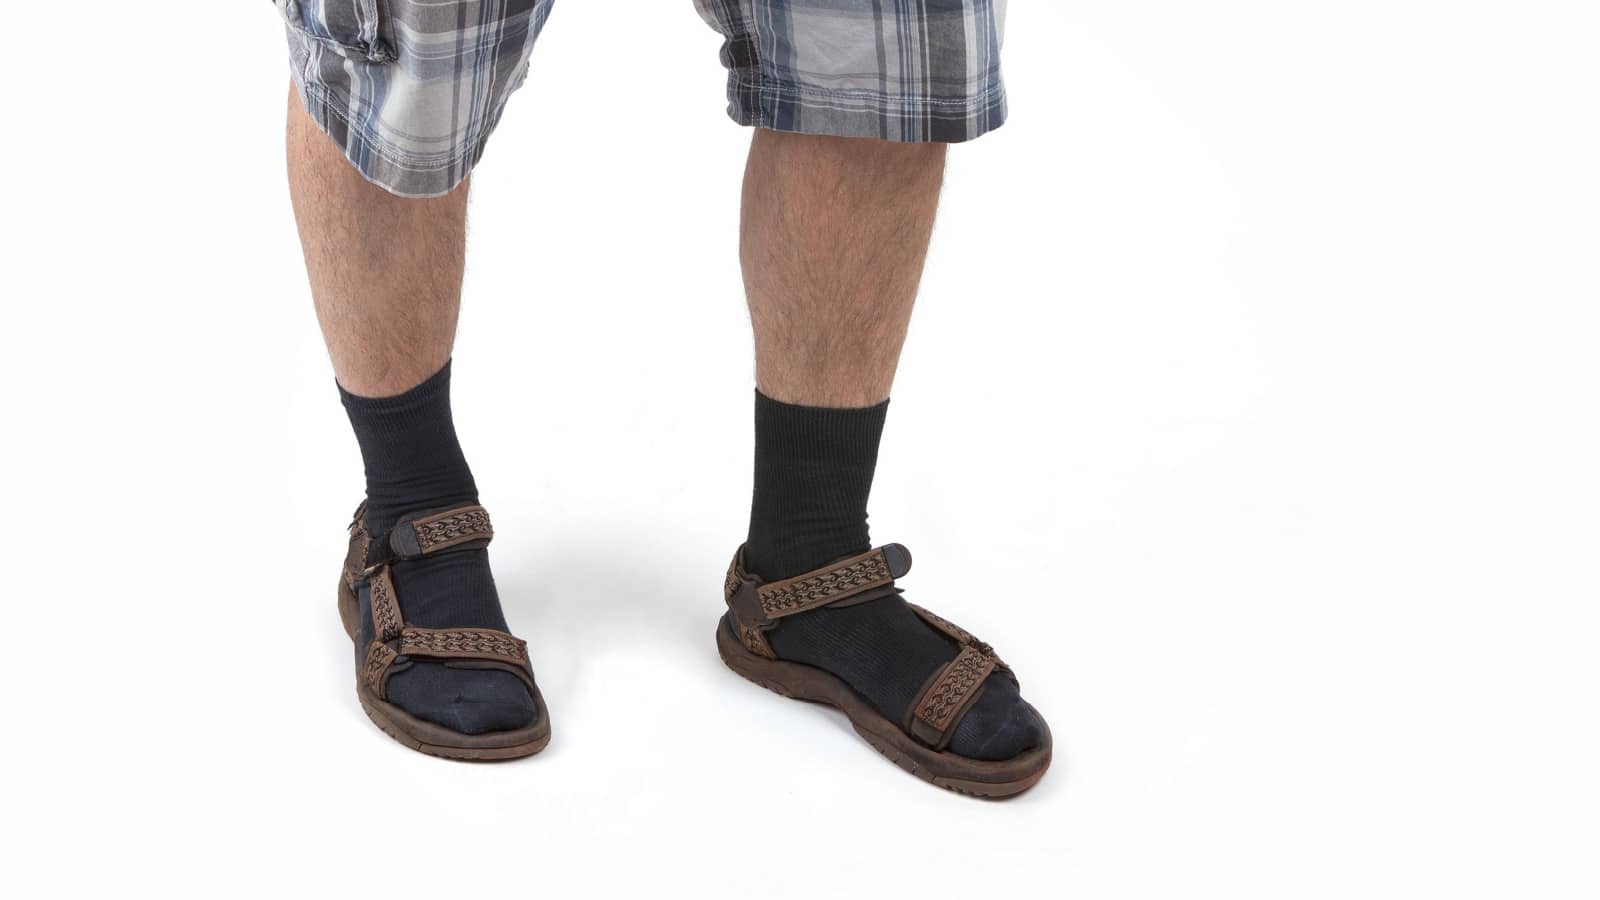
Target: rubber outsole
[(990, 780)]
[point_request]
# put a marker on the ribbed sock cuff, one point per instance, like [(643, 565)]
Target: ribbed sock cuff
[(409, 450), (813, 475), (421, 406)]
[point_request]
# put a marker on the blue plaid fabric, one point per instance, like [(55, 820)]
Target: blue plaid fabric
[(412, 89), (901, 70)]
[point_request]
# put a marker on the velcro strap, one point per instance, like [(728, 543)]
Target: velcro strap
[(440, 531), (757, 605), (948, 695), (463, 643)]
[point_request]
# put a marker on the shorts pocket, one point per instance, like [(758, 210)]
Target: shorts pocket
[(354, 29)]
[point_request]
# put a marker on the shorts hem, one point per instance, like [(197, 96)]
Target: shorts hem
[(381, 164), (802, 109)]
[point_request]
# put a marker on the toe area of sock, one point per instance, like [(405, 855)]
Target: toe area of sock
[(469, 701), (1001, 725)]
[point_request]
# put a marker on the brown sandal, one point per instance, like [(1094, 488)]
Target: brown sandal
[(395, 644), (917, 743)]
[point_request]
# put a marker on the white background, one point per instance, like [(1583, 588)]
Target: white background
[(1255, 359)]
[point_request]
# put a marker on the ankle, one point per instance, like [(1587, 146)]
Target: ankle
[(409, 451), (813, 475)]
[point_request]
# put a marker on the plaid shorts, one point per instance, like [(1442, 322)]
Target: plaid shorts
[(412, 89)]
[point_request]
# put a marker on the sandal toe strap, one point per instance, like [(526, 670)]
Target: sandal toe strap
[(463, 643), (485, 647), (948, 694), (953, 689)]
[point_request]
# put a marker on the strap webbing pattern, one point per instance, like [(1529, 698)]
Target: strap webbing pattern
[(451, 528), (949, 693), (463, 643), (830, 585), (386, 620), (379, 656)]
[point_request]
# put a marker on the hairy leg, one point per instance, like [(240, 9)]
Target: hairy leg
[(832, 240), (385, 271)]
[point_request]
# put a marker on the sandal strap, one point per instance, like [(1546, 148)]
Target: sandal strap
[(355, 562), (418, 535), (758, 605), (463, 643), (387, 621), (375, 672), (487, 647), (750, 636), (951, 690), (440, 531), (949, 694), (395, 642)]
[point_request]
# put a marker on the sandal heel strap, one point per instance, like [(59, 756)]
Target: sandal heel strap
[(732, 584)]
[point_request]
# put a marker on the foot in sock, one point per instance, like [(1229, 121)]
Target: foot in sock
[(813, 474), (414, 463)]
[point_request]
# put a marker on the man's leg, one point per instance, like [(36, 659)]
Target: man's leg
[(832, 243), (386, 279), (832, 234), (385, 271)]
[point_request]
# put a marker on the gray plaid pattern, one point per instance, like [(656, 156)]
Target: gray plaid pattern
[(412, 89), (901, 70)]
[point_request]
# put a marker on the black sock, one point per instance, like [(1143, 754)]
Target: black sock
[(813, 474), (414, 463), (409, 448)]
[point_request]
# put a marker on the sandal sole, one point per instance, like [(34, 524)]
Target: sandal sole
[(974, 777), (436, 740)]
